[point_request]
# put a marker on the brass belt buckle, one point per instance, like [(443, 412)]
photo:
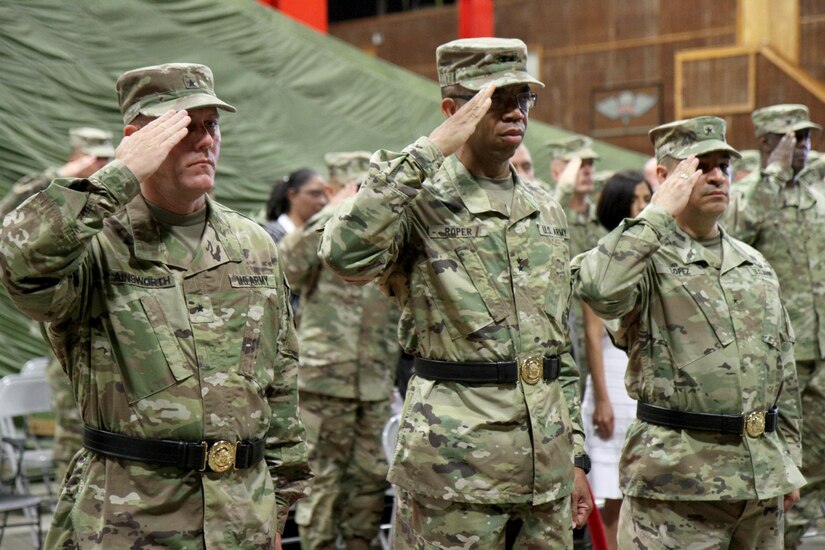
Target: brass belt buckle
[(221, 456), (755, 423), (531, 370)]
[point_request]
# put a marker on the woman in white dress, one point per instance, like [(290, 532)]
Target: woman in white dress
[(607, 409)]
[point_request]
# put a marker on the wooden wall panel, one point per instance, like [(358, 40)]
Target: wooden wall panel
[(588, 46), (812, 37)]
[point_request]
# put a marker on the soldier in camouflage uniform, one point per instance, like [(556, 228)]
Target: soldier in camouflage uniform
[(478, 261), (716, 445), (572, 164), (741, 168), (169, 313), (91, 150), (348, 341), (780, 211)]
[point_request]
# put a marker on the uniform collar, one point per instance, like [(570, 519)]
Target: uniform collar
[(475, 199), (151, 243)]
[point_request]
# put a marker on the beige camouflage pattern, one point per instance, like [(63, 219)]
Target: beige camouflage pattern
[(426, 523), (476, 62), (156, 89), (350, 467), (349, 348), (92, 141), (68, 426), (347, 166), (702, 337), (24, 188), (649, 524), (472, 284), (573, 146), (786, 223), (694, 136), (780, 119), (159, 350)]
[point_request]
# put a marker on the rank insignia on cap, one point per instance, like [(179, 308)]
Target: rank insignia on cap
[(190, 82)]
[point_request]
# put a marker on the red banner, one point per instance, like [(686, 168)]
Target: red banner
[(312, 13), (476, 18)]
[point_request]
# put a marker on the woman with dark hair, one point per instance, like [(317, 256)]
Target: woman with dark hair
[(607, 410), (294, 199)]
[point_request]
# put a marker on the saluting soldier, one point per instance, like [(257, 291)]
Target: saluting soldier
[(169, 313), (713, 457), (477, 259), (780, 210), (349, 348)]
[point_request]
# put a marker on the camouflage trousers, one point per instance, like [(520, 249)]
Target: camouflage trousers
[(345, 452), (811, 376), (648, 524), (423, 523), (68, 431)]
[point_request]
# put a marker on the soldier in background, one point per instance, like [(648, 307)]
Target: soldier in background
[(713, 457), (91, 149), (169, 313), (349, 348), (523, 163), (477, 259), (780, 211), (572, 164), (743, 167)]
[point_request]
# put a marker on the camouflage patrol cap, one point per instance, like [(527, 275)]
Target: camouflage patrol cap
[(781, 119), (347, 166), (92, 141), (575, 146), (476, 62), (692, 136), (749, 161), (156, 89)]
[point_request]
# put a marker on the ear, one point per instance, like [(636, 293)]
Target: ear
[(661, 173), (448, 107)]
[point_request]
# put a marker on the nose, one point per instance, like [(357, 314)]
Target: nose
[(203, 138), (513, 112), (716, 176)]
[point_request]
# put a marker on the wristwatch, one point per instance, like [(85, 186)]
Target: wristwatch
[(583, 462)]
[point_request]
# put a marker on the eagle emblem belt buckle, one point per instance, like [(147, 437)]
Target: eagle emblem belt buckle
[(755, 423), (221, 456), (531, 370)]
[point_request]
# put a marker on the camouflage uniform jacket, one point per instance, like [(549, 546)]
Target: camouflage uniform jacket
[(24, 188), (158, 351), (348, 333), (585, 229), (786, 224), (473, 284), (699, 339)]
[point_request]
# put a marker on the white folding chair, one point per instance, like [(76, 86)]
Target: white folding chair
[(389, 437), (20, 396), (35, 367)]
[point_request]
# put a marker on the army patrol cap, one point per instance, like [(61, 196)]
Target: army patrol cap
[(347, 166), (569, 147), (476, 62), (154, 90), (692, 136), (749, 161), (92, 141), (781, 119)]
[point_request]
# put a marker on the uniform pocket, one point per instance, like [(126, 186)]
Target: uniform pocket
[(696, 328)]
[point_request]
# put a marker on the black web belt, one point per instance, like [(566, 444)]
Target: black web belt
[(531, 370), (214, 456), (753, 424)]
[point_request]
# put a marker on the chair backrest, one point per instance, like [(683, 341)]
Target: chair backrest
[(21, 395), (389, 436), (35, 367)]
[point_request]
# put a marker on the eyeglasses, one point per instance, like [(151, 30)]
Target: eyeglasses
[(525, 101)]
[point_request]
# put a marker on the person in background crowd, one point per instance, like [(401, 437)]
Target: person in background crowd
[(347, 335), (780, 210), (743, 167), (294, 199), (607, 410), (91, 150), (523, 163), (713, 458), (169, 313), (478, 261)]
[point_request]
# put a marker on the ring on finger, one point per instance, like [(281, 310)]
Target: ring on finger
[(683, 176)]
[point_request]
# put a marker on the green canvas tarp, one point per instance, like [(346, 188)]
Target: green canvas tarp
[(299, 95)]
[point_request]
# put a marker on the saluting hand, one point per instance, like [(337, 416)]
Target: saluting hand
[(569, 176), (783, 152), (673, 194), (457, 129), (144, 150)]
